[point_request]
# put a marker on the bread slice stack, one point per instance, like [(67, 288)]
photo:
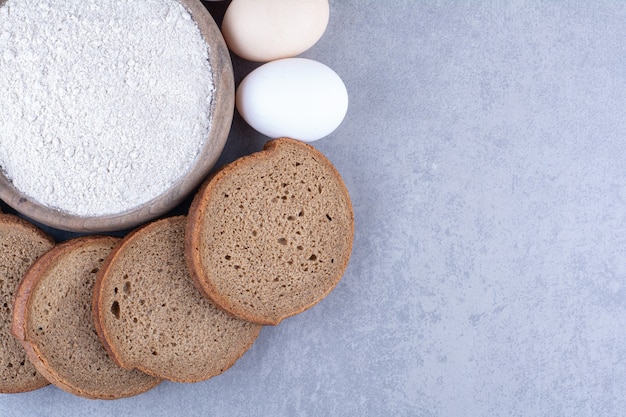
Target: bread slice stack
[(151, 317), (52, 319), (181, 298), (21, 243)]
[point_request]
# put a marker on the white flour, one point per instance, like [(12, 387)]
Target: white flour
[(103, 103)]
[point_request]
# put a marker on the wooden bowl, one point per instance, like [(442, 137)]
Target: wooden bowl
[(222, 116)]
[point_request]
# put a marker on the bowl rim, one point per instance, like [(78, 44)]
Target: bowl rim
[(222, 111)]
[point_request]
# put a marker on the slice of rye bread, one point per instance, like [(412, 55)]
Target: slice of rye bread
[(270, 234), (151, 317), (53, 320), (21, 243)]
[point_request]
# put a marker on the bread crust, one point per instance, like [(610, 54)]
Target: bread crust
[(30, 283), (196, 223)]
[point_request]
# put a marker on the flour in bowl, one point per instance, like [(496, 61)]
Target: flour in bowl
[(104, 104)]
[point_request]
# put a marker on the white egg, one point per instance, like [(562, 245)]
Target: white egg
[(294, 97), (266, 30)]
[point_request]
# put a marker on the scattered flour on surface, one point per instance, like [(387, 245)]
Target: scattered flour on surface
[(104, 104)]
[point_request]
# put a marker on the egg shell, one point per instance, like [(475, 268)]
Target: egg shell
[(294, 97), (266, 30)]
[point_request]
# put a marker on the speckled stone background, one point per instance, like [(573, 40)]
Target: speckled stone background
[(485, 153)]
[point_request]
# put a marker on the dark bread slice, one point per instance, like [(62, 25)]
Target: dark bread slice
[(270, 234), (151, 317), (21, 243), (53, 320)]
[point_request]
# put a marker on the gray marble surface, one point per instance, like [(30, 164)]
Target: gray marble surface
[(484, 151)]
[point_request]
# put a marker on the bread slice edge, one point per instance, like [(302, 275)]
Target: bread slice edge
[(195, 223)]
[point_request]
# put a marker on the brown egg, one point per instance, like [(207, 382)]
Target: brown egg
[(266, 30)]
